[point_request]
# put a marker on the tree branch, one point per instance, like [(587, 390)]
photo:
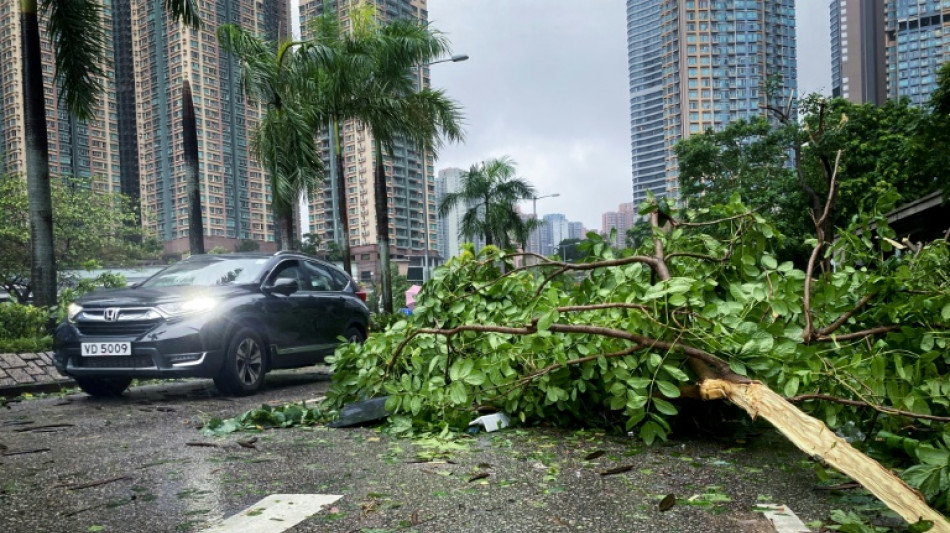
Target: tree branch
[(859, 403), (844, 318), (856, 334)]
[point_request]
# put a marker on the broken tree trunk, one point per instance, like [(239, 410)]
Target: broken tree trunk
[(814, 438)]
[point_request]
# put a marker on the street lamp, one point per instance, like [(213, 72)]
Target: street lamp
[(425, 197), (537, 230), (454, 59)]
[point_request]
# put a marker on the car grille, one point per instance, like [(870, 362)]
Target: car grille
[(134, 361), (116, 329)]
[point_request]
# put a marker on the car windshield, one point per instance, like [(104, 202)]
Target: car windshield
[(208, 271)]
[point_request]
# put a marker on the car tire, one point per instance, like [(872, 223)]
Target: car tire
[(355, 335), (244, 364), (103, 387)]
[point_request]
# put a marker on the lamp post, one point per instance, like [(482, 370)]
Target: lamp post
[(535, 211), (425, 176)]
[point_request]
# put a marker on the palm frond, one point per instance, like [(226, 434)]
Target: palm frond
[(184, 11), (75, 28)]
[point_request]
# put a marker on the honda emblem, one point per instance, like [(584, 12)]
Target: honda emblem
[(111, 314)]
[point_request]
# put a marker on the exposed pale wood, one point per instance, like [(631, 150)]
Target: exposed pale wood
[(814, 438)]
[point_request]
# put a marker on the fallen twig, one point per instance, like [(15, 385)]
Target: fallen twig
[(47, 426), (77, 486), (203, 444), (617, 470), (24, 452)]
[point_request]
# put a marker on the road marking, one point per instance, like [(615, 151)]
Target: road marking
[(275, 513), (783, 519)]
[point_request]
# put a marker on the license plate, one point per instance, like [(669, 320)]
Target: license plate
[(92, 349)]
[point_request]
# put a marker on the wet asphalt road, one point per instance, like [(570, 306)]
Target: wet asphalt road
[(125, 465)]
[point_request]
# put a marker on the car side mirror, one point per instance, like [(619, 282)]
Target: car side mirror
[(285, 286)]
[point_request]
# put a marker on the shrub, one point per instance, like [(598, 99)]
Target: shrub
[(23, 328)]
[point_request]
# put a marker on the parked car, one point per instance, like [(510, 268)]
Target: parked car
[(229, 317)]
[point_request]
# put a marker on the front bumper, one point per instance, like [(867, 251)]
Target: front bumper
[(179, 349)]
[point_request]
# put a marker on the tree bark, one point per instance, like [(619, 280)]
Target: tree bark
[(43, 266), (196, 233), (382, 228), (814, 438), (341, 198)]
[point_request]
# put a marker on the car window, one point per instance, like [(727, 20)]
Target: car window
[(288, 270), (320, 278), (204, 271)]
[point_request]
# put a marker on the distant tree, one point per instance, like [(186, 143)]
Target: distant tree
[(490, 190), (310, 244), (568, 250), (639, 234), (90, 229)]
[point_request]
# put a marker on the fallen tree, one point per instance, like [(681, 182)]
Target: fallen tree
[(689, 315)]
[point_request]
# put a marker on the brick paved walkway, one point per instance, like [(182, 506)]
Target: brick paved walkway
[(28, 369)]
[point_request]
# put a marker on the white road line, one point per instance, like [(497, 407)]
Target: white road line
[(783, 519), (275, 513)]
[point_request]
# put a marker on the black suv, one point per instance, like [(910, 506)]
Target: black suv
[(228, 317)]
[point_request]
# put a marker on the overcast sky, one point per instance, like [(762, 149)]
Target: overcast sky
[(546, 84)]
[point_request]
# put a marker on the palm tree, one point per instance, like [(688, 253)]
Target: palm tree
[(490, 191), (376, 82), (280, 77), (75, 29)]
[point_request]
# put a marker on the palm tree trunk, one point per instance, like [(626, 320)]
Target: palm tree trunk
[(341, 198), (196, 232), (488, 236), (382, 228), (43, 269)]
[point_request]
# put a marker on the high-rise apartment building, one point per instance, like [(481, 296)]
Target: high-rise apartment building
[(620, 220), (555, 229), (857, 51), (450, 226), (410, 176), (575, 230), (235, 192), (133, 142), (700, 64), (917, 44), (92, 149)]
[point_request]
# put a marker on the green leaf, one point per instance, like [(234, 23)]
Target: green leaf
[(945, 312), (668, 389), (545, 321), (791, 386), (769, 262), (664, 407), (676, 373), (933, 456)]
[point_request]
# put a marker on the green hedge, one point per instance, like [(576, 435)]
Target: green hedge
[(22, 321)]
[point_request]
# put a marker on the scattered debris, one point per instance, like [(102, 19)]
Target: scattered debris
[(77, 486), (617, 470), (24, 452), (43, 428), (841, 486), (667, 502), (492, 422), (202, 444), (476, 477), (361, 412), (594, 455), (248, 443)]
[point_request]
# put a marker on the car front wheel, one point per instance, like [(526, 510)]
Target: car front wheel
[(103, 387), (354, 335), (243, 369)]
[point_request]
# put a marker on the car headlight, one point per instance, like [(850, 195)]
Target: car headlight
[(73, 310), (188, 307)]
